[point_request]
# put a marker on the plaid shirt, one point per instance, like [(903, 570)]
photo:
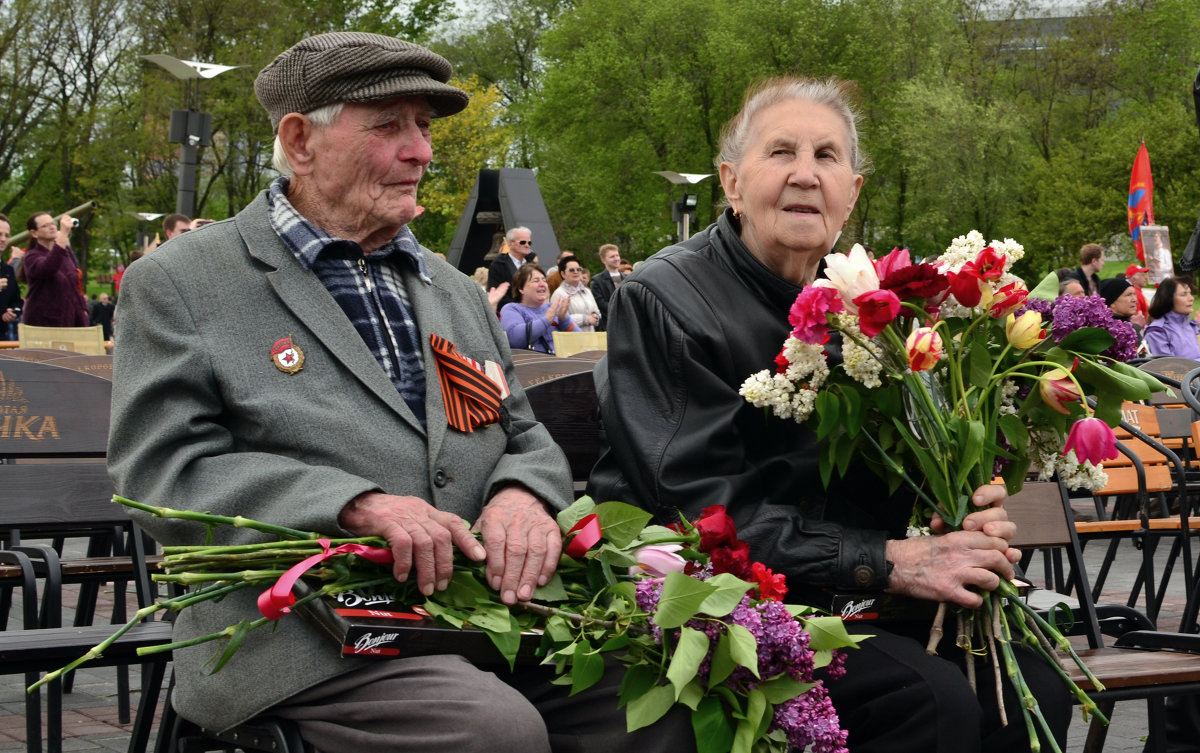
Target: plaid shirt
[(370, 289)]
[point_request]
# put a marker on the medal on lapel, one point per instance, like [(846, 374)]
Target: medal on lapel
[(287, 356)]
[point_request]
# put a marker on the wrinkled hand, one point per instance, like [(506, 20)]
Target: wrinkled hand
[(523, 543), (1138, 319), (495, 294), (420, 535), (943, 567)]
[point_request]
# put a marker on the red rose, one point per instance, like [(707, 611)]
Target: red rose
[(966, 287), (716, 529), (733, 559), (876, 310), (808, 314), (770, 585), (915, 281)]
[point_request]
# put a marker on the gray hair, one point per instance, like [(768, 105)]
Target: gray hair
[(832, 92), (322, 117), (512, 232)]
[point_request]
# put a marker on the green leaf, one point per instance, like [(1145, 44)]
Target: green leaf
[(232, 645), (1111, 383), (464, 590), (711, 724), (1151, 381), (559, 629), (649, 707), (971, 434), (492, 617), (638, 680), (722, 664), (690, 650), (828, 408), (680, 600), (979, 365), (691, 694), (854, 411), (508, 643), (552, 591), (783, 688), (1047, 288), (621, 523), (829, 632), (653, 534), (1088, 340), (1014, 431), (730, 590), (586, 669), (747, 729), (743, 648), (580, 509)]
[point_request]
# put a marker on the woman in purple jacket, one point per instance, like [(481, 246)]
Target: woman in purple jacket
[(1174, 327), (531, 319)]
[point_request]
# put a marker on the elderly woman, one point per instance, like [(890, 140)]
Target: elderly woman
[(1174, 326), (688, 327), (581, 305), (532, 319)]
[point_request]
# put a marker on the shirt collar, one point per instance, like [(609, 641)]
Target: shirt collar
[(306, 241)]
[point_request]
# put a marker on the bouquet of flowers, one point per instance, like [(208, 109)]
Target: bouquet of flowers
[(692, 620), (952, 373)]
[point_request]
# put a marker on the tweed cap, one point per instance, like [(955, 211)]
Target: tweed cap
[(354, 66)]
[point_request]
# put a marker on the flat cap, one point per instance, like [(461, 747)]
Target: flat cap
[(354, 66)]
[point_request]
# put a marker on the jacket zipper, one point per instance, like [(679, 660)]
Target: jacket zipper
[(362, 267)]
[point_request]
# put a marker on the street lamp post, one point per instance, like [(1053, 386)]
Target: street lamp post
[(190, 128), (684, 210)]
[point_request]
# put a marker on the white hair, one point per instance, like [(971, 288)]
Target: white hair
[(832, 93), (512, 233), (322, 117)]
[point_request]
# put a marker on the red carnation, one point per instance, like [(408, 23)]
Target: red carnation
[(915, 281), (716, 529), (808, 315), (733, 559), (876, 310), (781, 363), (770, 585)]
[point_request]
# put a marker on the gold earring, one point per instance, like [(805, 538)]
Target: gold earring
[(737, 213)]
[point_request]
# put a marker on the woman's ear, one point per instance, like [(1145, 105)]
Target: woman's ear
[(295, 135), (729, 183)]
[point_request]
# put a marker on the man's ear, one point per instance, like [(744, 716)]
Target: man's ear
[(295, 136)]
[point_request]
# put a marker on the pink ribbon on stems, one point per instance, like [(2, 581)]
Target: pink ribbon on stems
[(277, 600), (587, 533)]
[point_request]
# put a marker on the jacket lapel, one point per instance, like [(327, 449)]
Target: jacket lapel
[(304, 295), (431, 308)]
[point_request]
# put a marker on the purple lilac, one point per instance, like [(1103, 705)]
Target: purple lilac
[(810, 719), (1071, 314), (1040, 305)]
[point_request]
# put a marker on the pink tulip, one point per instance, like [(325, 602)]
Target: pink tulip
[(1058, 390), (658, 560), (1092, 441)]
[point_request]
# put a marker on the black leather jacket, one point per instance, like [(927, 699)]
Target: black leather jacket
[(685, 330)]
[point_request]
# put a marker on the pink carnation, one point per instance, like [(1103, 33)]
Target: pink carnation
[(808, 315)]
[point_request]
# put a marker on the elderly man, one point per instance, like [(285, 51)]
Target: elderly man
[(303, 390), (518, 241)]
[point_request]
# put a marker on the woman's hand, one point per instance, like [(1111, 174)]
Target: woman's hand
[(945, 567)]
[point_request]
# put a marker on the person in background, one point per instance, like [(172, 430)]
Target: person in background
[(1091, 261), (1121, 297), (1173, 324), (175, 224), (52, 297), (495, 294), (531, 320), (605, 284), (10, 291), (102, 314), (1071, 287), (1136, 275), (582, 306), (690, 325), (517, 249), (554, 275)]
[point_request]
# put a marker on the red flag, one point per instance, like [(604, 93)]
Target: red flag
[(1141, 199)]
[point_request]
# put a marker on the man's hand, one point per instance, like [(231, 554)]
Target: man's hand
[(8, 316), (942, 567), (419, 534), (523, 543)]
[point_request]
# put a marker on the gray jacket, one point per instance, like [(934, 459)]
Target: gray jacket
[(202, 419)]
